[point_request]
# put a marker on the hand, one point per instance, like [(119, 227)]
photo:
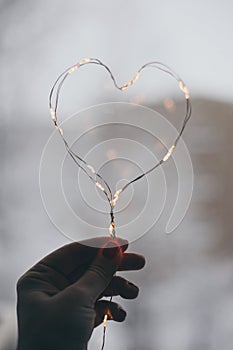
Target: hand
[(59, 298)]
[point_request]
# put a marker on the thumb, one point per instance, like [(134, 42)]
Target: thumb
[(100, 272)]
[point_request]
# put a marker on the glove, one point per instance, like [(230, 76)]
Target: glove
[(59, 298)]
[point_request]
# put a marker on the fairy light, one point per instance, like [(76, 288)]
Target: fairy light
[(184, 88), (131, 82), (59, 130), (90, 167), (112, 229), (116, 197), (169, 153), (85, 60), (105, 320), (73, 69), (102, 184), (107, 316)]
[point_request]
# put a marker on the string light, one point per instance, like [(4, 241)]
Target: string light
[(91, 168), (102, 184), (107, 316), (59, 130), (169, 153), (99, 186), (53, 115), (131, 82), (105, 320), (184, 88), (73, 69), (112, 228), (115, 197)]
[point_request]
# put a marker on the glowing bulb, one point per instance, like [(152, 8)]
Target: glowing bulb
[(59, 130), (105, 321), (85, 60), (53, 115), (169, 153), (115, 197), (91, 168), (113, 202), (99, 186), (72, 69), (184, 88), (135, 77), (112, 229), (131, 82), (125, 86)]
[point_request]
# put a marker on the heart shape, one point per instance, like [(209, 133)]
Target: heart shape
[(88, 169)]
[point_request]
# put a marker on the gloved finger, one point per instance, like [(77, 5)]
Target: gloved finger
[(132, 261), (99, 274), (52, 274), (113, 310), (69, 257), (48, 280), (121, 286)]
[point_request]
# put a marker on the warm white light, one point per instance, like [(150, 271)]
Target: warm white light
[(115, 197), (91, 168), (184, 88), (84, 60), (169, 153), (99, 186), (131, 82), (59, 129), (125, 86), (112, 229), (53, 114), (73, 69), (105, 321)]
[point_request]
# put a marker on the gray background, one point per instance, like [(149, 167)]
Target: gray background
[(186, 288)]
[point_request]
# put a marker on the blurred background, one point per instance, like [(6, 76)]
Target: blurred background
[(186, 298)]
